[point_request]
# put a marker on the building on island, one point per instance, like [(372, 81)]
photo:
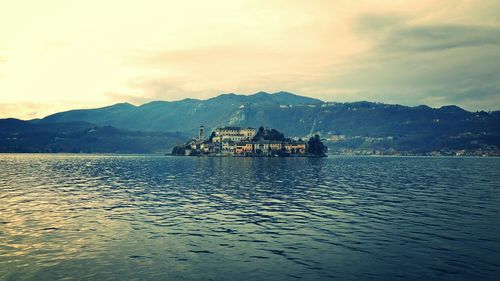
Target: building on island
[(237, 141), (235, 134), (296, 147), (244, 148), (227, 147)]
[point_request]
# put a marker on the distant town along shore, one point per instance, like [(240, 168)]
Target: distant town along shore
[(249, 142)]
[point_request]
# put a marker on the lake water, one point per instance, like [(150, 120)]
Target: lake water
[(98, 217)]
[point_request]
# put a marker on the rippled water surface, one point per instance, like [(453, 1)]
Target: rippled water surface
[(65, 217)]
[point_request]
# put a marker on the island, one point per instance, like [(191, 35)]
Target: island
[(249, 142)]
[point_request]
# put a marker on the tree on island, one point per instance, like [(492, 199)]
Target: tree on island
[(316, 147), (179, 150), (270, 135), (212, 136)]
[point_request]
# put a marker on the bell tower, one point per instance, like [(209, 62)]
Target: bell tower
[(201, 133)]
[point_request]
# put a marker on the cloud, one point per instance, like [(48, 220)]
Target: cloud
[(423, 63), (26, 110), (209, 54), (409, 52), (131, 98), (146, 89), (410, 39), (223, 66), (396, 34)]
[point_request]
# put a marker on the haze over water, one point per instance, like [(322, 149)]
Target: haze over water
[(95, 217)]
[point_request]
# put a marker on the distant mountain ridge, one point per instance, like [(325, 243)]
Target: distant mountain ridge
[(349, 126)]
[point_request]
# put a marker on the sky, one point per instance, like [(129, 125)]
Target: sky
[(58, 55)]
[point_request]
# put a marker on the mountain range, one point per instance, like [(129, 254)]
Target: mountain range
[(188, 114), (348, 127)]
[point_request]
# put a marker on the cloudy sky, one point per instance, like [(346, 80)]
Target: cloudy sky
[(59, 55)]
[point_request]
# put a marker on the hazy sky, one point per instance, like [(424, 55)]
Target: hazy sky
[(59, 55)]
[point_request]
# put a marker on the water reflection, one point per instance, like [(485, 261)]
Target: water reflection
[(141, 217)]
